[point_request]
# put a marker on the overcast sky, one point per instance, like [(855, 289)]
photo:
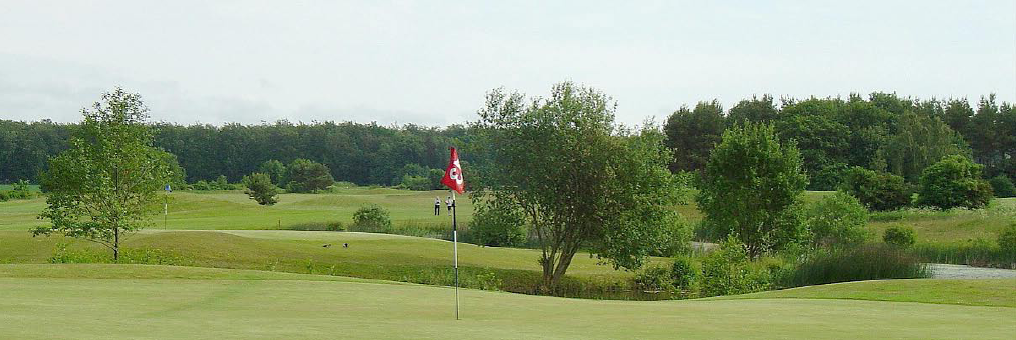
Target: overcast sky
[(431, 62)]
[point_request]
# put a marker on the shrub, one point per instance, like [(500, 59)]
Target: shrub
[(221, 183), (839, 219), (685, 273), (1007, 241), (434, 176), (497, 226), (678, 238), (955, 181), (260, 188), (878, 191), (416, 183), (1002, 186), (654, 279), (372, 218), (275, 171), (900, 236), (728, 270), (303, 175), (202, 185), (868, 262)]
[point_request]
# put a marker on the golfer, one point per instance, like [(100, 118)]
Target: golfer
[(448, 202), (437, 206)]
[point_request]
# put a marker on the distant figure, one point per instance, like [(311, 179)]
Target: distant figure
[(437, 206), (448, 202), (345, 245)]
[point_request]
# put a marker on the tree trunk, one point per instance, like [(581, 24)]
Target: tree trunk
[(116, 244)]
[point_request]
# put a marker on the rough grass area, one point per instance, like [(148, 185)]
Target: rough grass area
[(179, 302), (953, 225)]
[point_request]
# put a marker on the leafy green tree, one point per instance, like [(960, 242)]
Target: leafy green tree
[(177, 175), (823, 144), (105, 185), (837, 220), (878, 191), (372, 218), (580, 181), (919, 142), (435, 176), (275, 171), (751, 189), (1002, 186), (498, 225), (754, 110), (305, 175), (691, 134), (955, 181), (221, 183), (260, 188)]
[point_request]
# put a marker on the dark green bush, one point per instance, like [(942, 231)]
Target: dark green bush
[(876, 190), (837, 220), (654, 279), (867, 262), (260, 188), (728, 270), (202, 185), (497, 226), (372, 218), (678, 239), (1007, 241), (415, 183), (900, 236), (955, 181), (685, 273), (1002, 186), (304, 175)]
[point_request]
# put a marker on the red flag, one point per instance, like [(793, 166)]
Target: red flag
[(453, 175)]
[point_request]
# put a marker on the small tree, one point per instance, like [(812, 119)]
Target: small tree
[(1002, 186), (260, 188), (105, 184), (900, 236), (878, 191), (839, 219), (498, 225), (372, 218), (955, 181), (275, 171), (304, 175), (751, 187)]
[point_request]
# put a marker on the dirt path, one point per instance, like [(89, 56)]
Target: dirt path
[(953, 271)]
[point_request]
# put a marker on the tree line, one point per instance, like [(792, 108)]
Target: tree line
[(882, 132)]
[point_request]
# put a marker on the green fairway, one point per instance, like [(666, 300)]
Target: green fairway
[(198, 210), (984, 292), (72, 301)]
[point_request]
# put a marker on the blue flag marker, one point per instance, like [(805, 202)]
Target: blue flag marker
[(168, 189)]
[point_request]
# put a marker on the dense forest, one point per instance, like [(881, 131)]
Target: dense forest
[(882, 132)]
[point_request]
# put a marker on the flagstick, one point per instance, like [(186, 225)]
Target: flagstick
[(455, 246)]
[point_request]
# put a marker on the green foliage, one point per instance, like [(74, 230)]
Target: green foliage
[(677, 238), (868, 262), (579, 180), (177, 175), (900, 236), (221, 183), (417, 183), (105, 185), (303, 175), (837, 220), (260, 188), (751, 189), (653, 279), (878, 191), (728, 270), (920, 140), (201, 185), (19, 190), (275, 170), (371, 218), (1002, 186), (435, 176), (1007, 242), (498, 225), (145, 255), (691, 134), (977, 252), (685, 273), (955, 181)]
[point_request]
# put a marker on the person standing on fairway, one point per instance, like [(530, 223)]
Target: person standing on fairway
[(437, 206), (448, 202)]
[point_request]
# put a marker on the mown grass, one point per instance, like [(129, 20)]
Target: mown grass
[(980, 292), (134, 303), (371, 256)]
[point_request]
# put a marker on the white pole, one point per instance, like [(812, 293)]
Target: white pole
[(455, 247)]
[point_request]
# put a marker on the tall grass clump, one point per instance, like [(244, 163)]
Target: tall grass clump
[(978, 252), (866, 262)]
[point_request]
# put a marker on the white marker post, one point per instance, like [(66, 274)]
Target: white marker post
[(165, 208)]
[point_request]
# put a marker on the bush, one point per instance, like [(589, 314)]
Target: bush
[(838, 220), (372, 218), (303, 175), (878, 191), (678, 238), (654, 279), (1002, 186), (1007, 241), (202, 185), (435, 176), (260, 188), (415, 183), (497, 226), (275, 171), (868, 262), (900, 236), (955, 181), (221, 183), (685, 273), (728, 270)]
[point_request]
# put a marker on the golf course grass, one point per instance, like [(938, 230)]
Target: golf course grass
[(131, 301)]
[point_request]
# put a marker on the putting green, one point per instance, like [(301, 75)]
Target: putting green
[(72, 301)]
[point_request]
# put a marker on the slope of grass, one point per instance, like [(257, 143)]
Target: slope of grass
[(219, 306), (983, 292)]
